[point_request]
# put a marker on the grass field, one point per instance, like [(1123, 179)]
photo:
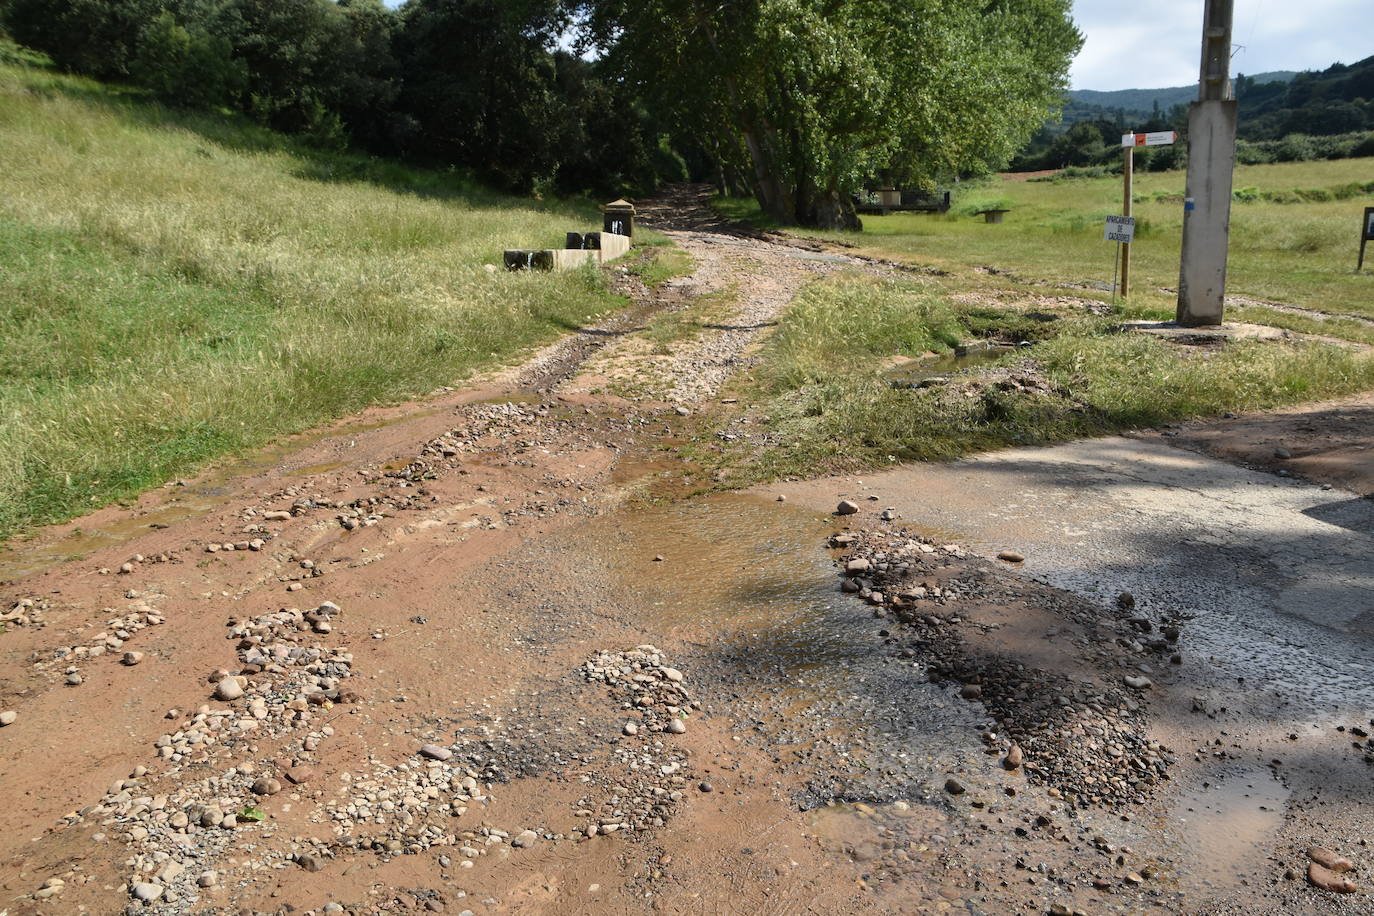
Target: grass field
[(1300, 253), (825, 391), (175, 287)]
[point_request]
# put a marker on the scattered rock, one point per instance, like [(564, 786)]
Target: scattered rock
[(132, 658), (1137, 682), (8, 716), (1015, 757), (846, 507), (630, 728), (524, 839), (971, 692), (1282, 453), (677, 726), (1011, 556), (954, 786)]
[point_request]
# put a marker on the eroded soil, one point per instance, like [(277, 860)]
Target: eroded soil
[(438, 659)]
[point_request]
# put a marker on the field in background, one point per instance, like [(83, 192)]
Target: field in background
[(1296, 253), (175, 287), (829, 398)]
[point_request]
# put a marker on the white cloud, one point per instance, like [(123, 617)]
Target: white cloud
[(1150, 43)]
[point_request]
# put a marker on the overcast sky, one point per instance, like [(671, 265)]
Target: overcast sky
[(1148, 44)]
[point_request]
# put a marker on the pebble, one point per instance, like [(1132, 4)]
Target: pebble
[(207, 879), (524, 839), (300, 774), (631, 728), (1011, 556), (677, 727), (954, 786), (1282, 453), (706, 787), (1015, 757), (132, 658), (971, 692), (1139, 683), (847, 507), (73, 679), (8, 716)]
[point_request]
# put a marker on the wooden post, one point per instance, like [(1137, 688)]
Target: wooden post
[(1126, 182)]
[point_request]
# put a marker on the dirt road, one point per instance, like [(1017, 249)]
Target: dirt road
[(434, 659)]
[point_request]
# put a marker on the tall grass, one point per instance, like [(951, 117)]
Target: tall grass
[(175, 287), (830, 406)]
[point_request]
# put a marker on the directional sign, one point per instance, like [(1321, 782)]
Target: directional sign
[(1120, 229), (1157, 138)]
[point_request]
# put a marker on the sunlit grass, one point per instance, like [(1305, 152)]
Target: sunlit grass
[(175, 287)]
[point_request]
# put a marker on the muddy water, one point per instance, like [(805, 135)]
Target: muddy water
[(746, 597), (1227, 826)]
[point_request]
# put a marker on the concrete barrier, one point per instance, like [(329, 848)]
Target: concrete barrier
[(600, 247)]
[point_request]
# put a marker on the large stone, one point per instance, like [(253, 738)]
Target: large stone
[(847, 507), (146, 891), (1328, 859), (1326, 879), (435, 752), (228, 688)]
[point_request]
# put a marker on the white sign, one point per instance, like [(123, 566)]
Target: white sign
[(1158, 138), (1120, 229)]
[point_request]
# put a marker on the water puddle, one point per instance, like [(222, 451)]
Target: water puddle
[(925, 373), (1227, 826), (746, 594)]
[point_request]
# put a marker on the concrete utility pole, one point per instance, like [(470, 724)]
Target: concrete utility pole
[(1211, 161), (1127, 180)]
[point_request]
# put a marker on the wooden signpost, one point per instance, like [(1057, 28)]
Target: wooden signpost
[(1128, 143), (1366, 233)]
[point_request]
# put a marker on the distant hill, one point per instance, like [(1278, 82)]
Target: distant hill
[(1146, 100)]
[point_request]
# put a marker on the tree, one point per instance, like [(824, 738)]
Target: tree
[(810, 97), (480, 82), (186, 66), (97, 37)]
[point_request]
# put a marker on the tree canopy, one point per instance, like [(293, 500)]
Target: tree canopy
[(808, 98), (800, 101)]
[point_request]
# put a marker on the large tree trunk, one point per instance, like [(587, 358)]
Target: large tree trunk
[(827, 209)]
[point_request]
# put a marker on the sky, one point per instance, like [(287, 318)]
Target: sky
[(1149, 44)]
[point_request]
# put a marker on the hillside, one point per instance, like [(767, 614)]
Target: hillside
[(174, 287), (1146, 101)]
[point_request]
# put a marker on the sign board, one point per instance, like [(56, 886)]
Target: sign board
[(1120, 229), (1157, 138), (1366, 234)]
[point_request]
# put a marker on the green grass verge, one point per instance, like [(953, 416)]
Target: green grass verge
[(175, 287), (830, 405)]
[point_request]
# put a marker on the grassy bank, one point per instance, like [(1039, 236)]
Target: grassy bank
[(827, 400), (1284, 249), (176, 287)]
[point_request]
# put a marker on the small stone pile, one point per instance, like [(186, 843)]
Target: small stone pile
[(653, 775), (26, 612), (1085, 740), (118, 631), (181, 821)]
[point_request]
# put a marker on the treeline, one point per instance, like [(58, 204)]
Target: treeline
[(1316, 115), (799, 102), (482, 85)]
